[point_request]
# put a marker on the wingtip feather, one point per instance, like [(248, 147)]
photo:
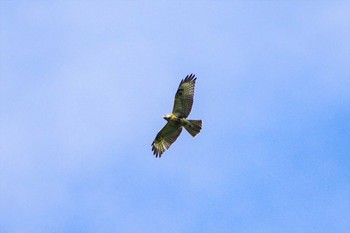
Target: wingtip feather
[(189, 78)]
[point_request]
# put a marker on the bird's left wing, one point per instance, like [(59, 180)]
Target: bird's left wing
[(184, 96), (166, 136)]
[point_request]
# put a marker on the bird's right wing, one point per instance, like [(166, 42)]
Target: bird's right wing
[(166, 136)]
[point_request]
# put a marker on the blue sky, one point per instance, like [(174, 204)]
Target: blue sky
[(84, 85)]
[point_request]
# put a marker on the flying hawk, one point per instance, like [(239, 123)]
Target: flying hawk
[(177, 119)]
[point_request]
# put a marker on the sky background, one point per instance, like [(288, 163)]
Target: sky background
[(84, 85)]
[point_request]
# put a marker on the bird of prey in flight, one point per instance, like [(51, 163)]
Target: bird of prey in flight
[(177, 119)]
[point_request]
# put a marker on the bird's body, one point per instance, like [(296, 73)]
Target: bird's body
[(178, 118)]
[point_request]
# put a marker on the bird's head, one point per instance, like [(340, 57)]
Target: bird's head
[(167, 117)]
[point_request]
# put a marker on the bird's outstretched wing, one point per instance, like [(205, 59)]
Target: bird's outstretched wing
[(184, 96), (166, 136)]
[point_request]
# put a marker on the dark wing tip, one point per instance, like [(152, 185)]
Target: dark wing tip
[(189, 78), (156, 152)]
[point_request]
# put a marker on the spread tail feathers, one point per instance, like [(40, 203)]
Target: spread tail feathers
[(194, 127)]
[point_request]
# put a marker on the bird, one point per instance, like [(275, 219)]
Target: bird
[(178, 118)]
